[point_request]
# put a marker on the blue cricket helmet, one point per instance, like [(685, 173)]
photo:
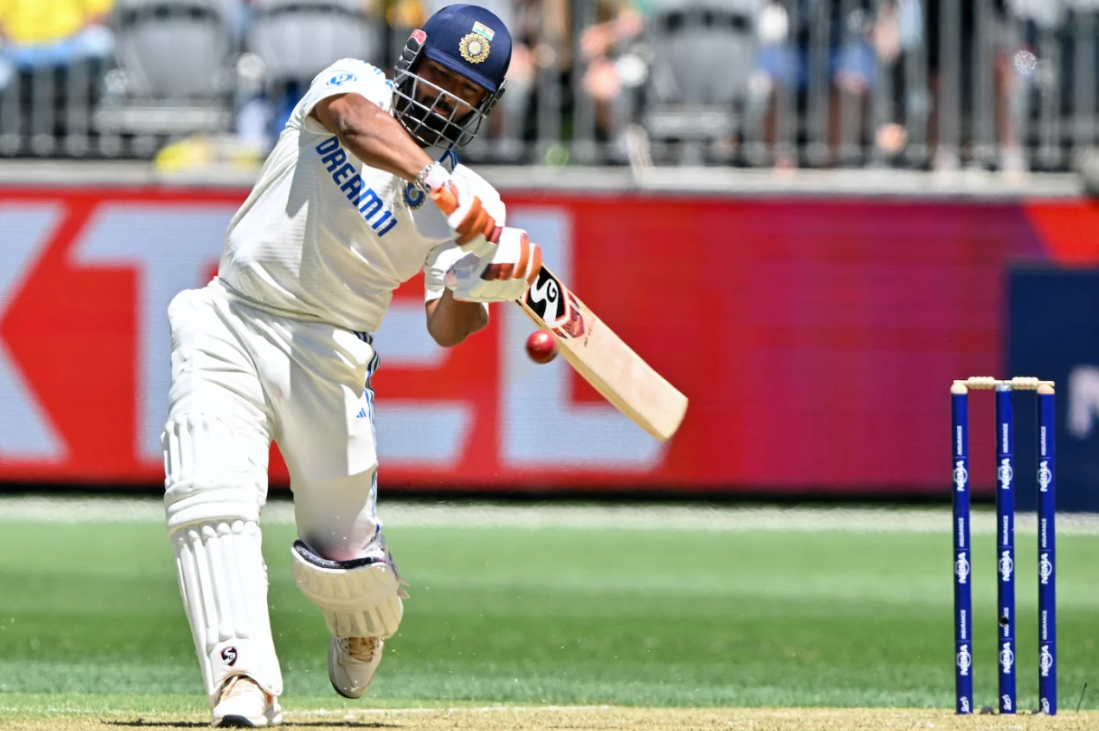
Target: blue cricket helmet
[(469, 41)]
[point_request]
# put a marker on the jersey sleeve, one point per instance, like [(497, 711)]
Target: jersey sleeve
[(446, 255), (347, 76)]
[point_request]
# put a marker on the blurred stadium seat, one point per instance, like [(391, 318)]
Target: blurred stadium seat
[(175, 71), (296, 39), (691, 97)]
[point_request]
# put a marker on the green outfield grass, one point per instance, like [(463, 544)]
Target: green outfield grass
[(90, 618)]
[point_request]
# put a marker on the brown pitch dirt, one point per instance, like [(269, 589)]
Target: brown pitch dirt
[(595, 719)]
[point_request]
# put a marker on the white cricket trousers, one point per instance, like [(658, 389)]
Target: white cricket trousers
[(242, 377), (303, 384)]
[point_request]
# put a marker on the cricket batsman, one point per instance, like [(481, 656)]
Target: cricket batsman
[(362, 191)]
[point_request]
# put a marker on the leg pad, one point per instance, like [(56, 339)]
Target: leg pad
[(359, 598)]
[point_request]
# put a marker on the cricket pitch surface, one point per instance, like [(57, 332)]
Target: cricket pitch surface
[(505, 718)]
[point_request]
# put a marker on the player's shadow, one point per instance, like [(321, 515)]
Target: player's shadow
[(341, 724), (143, 723)]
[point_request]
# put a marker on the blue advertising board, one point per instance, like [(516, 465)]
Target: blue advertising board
[(1053, 333)]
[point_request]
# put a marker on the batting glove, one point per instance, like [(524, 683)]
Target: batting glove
[(475, 230), (506, 275)]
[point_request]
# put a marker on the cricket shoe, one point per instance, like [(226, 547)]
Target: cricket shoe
[(243, 704), (352, 662)]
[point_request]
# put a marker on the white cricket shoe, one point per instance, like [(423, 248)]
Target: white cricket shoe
[(352, 662), (243, 704)]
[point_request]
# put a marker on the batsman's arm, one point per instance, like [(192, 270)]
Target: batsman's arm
[(371, 134), (374, 136), (449, 321)]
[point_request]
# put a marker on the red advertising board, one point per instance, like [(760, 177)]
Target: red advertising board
[(815, 338)]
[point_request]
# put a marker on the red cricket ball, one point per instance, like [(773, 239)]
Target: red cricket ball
[(542, 346)]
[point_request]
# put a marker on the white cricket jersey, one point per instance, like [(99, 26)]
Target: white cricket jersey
[(324, 237)]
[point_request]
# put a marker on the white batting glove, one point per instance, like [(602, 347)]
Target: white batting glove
[(506, 275), (475, 230)]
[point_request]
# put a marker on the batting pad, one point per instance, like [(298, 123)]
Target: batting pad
[(216, 481), (223, 581), (359, 598)]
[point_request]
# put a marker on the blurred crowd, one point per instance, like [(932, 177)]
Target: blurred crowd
[(788, 83)]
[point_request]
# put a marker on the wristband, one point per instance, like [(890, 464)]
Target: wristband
[(432, 177)]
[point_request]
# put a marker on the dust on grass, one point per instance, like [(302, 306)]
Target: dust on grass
[(584, 718)]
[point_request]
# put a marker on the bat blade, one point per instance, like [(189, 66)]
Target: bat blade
[(603, 359)]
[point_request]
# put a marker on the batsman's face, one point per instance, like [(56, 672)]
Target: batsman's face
[(436, 103), (464, 95)]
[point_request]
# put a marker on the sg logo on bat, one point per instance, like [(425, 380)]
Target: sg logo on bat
[(556, 306)]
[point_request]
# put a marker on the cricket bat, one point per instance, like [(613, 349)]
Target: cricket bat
[(596, 353), (602, 359)]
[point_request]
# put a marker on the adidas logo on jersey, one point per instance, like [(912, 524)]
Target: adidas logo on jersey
[(362, 413)]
